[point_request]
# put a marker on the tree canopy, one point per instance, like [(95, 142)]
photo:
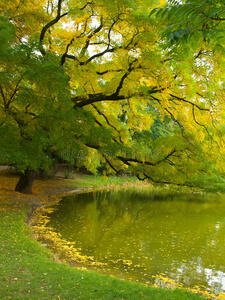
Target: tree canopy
[(116, 86)]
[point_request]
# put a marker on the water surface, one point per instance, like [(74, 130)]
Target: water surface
[(140, 235)]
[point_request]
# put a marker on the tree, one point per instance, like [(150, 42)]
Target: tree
[(193, 39), (186, 21), (90, 83), (35, 101)]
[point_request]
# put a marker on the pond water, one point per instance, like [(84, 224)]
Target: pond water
[(140, 235)]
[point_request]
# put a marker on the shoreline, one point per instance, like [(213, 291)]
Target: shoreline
[(36, 261)]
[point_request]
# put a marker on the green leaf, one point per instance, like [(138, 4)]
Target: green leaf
[(171, 36), (153, 11), (177, 34)]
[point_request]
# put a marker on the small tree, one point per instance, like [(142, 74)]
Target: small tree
[(36, 109)]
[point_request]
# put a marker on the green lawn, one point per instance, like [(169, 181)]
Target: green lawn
[(27, 271)]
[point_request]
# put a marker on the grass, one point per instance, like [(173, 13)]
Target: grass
[(103, 181), (28, 270)]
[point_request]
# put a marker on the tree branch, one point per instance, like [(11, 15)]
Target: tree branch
[(128, 161), (3, 96), (194, 118), (92, 98), (130, 69), (15, 91), (50, 24), (110, 164), (186, 101), (107, 121), (66, 55), (85, 47), (217, 19), (164, 182), (93, 33), (107, 71)]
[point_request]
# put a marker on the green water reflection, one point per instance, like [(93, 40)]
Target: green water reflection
[(140, 235)]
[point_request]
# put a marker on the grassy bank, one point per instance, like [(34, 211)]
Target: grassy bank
[(28, 270)]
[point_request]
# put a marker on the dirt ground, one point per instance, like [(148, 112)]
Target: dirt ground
[(43, 190), (3, 168)]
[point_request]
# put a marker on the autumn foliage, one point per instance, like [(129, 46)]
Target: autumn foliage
[(96, 84)]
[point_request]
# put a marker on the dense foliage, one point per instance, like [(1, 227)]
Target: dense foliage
[(114, 86)]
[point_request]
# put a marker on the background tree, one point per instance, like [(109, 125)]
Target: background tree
[(186, 21), (90, 82)]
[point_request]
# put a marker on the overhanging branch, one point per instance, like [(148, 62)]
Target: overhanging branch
[(128, 161), (158, 181)]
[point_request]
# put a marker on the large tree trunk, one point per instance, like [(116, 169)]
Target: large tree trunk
[(25, 182)]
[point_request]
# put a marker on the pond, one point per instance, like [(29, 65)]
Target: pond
[(140, 235)]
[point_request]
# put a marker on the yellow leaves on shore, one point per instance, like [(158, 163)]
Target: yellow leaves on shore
[(10, 200), (7, 183), (164, 282), (63, 248), (42, 191)]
